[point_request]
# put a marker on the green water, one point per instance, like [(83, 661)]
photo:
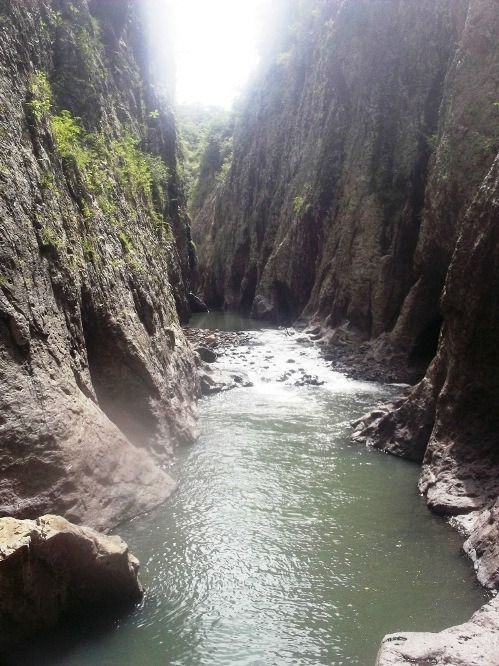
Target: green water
[(285, 543)]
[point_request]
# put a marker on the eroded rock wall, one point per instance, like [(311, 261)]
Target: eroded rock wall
[(97, 380), (356, 157), (449, 421)]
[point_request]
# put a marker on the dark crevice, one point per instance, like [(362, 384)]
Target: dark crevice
[(426, 344)]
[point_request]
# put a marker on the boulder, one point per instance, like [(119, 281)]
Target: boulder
[(207, 355), (49, 567), (474, 643)]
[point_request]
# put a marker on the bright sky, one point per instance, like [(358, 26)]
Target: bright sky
[(215, 48)]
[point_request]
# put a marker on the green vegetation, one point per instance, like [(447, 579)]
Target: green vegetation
[(207, 148), (67, 134), (48, 180), (49, 238), (126, 243), (102, 164), (88, 247), (105, 168), (301, 203), (40, 97), (432, 142)]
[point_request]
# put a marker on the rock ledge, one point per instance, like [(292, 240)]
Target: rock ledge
[(474, 643), (49, 566)]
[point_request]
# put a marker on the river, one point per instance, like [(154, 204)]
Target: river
[(285, 543)]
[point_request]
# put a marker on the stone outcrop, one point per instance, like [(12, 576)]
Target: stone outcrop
[(475, 643), (449, 421), (98, 381), (49, 567)]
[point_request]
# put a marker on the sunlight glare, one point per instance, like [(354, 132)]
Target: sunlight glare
[(216, 48)]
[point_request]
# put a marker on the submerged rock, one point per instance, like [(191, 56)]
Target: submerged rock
[(207, 355), (474, 643), (49, 567)]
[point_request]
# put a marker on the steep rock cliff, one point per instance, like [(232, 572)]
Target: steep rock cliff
[(98, 382), (356, 156), (449, 421), (364, 196)]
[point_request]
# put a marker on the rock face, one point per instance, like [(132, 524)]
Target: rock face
[(449, 421), (98, 381), (475, 643), (356, 156), (49, 567)]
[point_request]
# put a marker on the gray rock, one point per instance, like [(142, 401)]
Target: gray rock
[(207, 355), (98, 381), (49, 567), (474, 643)]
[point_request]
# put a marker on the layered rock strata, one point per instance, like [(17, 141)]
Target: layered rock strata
[(49, 567), (449, 421), (98, 381)]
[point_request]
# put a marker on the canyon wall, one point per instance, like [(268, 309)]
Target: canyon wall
[(356, 155), (98, 381), (450, 420)]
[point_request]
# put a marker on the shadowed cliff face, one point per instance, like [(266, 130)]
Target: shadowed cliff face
[(355, 158), (98, 382), (449, 421)]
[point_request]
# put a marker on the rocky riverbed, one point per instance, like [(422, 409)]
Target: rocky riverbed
[(239, 353), (472, 643)]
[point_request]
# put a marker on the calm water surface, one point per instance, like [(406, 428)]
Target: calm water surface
[(285, 543)]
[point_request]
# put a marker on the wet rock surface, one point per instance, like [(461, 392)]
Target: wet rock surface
[(49, 567), (349, 354), (474, 643)]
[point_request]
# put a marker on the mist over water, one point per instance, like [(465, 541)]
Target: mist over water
[(285, 543)]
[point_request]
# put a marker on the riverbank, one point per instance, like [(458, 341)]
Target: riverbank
[(284, 543)]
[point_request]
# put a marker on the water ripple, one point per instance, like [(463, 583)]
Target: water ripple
[(284, 543)]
